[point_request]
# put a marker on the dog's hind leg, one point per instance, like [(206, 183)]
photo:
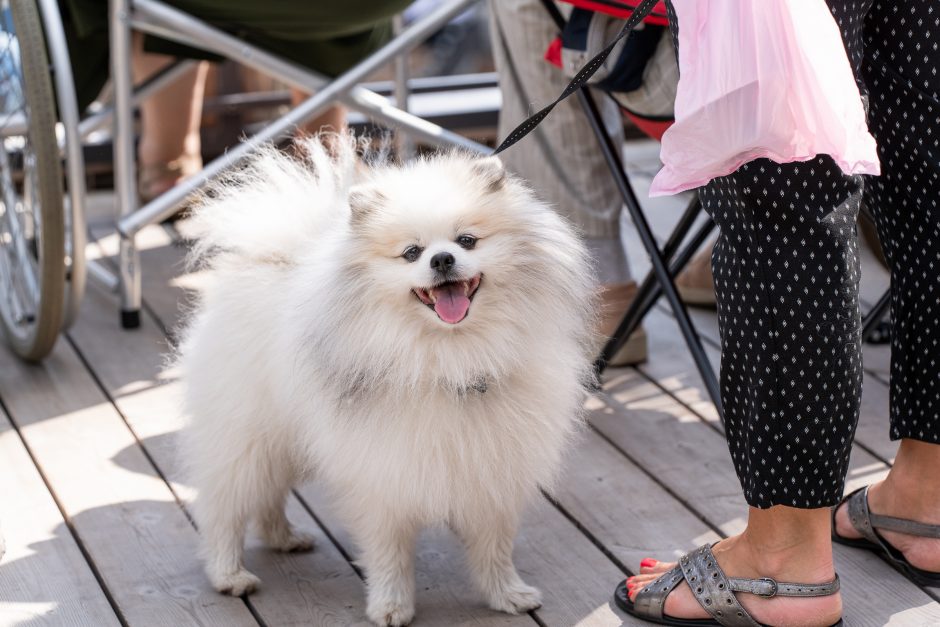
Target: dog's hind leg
[(489, 539), (388, 551), (232, 490), (273, 525), (222, 518)]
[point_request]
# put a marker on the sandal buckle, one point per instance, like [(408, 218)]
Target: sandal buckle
[(773, 588)]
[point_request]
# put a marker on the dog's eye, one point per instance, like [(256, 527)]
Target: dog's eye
[(412, 253), (466, 241)]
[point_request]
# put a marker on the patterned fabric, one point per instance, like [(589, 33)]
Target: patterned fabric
[(787, 273), (902, 71)]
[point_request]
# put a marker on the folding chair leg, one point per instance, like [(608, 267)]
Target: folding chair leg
[(649, 291), (614, 162), (637, 310)]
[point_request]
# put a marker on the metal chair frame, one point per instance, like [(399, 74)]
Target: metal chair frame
[(160, 19)]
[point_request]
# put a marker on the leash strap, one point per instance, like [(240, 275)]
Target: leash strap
[(580, 79)]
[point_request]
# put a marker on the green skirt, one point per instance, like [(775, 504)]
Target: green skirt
[(328, 37)]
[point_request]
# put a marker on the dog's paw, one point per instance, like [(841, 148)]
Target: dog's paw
[(236, 584), (390, 613), (295, 542), (517, 598)]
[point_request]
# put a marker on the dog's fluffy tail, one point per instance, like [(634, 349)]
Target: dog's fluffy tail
[(274, 204)]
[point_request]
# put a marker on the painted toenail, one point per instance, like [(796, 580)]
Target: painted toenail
[(648, 562)]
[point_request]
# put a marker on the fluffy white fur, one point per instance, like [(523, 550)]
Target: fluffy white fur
[(311, 356)]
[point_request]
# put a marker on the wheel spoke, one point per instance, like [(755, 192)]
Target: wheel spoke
[(20, 255)]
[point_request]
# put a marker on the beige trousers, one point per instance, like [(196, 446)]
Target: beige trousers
[(561, 158)]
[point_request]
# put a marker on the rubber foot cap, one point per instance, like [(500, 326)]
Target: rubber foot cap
[(130, 319)]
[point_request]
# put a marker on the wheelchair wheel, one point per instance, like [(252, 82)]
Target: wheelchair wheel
[(32, 220)]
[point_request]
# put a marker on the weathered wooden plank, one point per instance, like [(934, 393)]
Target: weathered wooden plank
[(43, 576), (124, 514), (575, 578), (615, 500)]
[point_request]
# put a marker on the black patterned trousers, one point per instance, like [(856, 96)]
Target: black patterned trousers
[(787, 273)]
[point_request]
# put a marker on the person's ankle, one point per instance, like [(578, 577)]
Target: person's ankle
[(807, 561), (904, 497), (910, 490), (789, 544)]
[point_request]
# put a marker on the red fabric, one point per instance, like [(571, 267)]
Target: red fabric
[(652, 128), (623, 9), (553, 52)]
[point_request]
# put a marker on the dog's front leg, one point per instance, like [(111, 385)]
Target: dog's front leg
[(489, 539), (388, 554)]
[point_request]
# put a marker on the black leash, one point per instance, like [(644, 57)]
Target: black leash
[(580, 79)]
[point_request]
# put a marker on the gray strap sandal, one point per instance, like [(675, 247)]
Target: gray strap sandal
[(866, 524), (714, 591)]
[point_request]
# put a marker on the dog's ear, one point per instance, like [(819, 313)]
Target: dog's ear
[(492, 172), (363, 201)]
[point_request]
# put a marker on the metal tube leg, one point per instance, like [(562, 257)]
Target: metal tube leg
[(647, 291), (648, 294), (124, 158), (343, 86), (679, 263), (402, 141), (649, 242)]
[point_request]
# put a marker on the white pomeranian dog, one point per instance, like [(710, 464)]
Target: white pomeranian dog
[(417, 337)]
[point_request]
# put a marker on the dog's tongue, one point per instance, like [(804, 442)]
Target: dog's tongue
[(452, 304)]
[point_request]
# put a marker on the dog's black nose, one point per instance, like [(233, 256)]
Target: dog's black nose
[(442, 262)]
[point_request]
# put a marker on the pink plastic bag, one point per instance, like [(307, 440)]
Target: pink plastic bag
[(761, 78)]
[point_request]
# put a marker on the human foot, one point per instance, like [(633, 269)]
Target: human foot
[(738, 557), (158, 178), (909, 492), (920, 552)]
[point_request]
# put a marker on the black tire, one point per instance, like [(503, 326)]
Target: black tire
[(32, 331)]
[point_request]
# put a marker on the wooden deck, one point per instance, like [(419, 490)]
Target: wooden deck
[(95, 514)]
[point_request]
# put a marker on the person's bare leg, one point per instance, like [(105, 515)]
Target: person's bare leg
[(785, 543), (333, 120), (912, 491), (170, 121)]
